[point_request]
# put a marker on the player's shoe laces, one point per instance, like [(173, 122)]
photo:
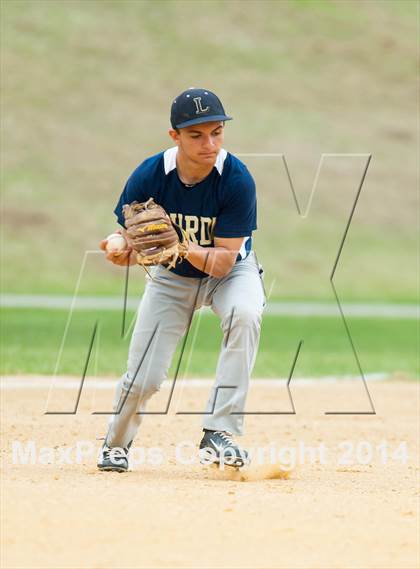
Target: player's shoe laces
[(218, 447), (114, 459)]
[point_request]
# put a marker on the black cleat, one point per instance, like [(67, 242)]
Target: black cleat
[(218, 447), (114, 459)]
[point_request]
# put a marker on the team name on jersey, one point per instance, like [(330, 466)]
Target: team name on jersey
[(200, 229)]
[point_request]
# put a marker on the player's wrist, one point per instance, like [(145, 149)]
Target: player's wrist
[(193, 248)]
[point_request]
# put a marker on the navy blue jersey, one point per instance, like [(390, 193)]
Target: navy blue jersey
[(221, 205)]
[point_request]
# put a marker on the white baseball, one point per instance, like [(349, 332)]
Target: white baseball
[(115, 243)]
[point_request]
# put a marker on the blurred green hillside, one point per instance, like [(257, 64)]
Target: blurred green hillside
[(86, 90)]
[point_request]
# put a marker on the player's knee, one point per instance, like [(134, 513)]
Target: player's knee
[(143, 387), (242, 316)]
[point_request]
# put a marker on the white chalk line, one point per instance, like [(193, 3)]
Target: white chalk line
[(64, 382), (292, 308)]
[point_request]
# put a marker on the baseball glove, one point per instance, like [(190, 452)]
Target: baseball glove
[(154, 237)]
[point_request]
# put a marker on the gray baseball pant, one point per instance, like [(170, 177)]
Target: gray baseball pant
[(163, 316)]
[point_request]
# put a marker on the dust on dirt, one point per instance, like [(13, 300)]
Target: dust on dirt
[(351, 500)]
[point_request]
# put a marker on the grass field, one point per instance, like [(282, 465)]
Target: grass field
[(86, 88), (33, 340)]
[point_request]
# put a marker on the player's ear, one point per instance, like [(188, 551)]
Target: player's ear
[(174, 134)]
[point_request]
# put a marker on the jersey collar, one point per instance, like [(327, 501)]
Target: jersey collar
[(169, 160)]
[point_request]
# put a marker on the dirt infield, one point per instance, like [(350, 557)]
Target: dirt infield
[(351, 501)]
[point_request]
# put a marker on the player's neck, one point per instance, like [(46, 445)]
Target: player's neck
[(190, 172)]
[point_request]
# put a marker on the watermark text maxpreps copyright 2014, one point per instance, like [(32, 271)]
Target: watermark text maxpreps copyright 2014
[(345, 453)]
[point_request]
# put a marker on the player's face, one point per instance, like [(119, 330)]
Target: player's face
[(200, 143)]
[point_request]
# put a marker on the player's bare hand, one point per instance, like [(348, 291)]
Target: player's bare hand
[(121, 258)]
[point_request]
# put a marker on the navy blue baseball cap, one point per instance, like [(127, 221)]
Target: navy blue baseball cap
[(196, 106)]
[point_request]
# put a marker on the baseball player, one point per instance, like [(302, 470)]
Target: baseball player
[(208, 196)]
